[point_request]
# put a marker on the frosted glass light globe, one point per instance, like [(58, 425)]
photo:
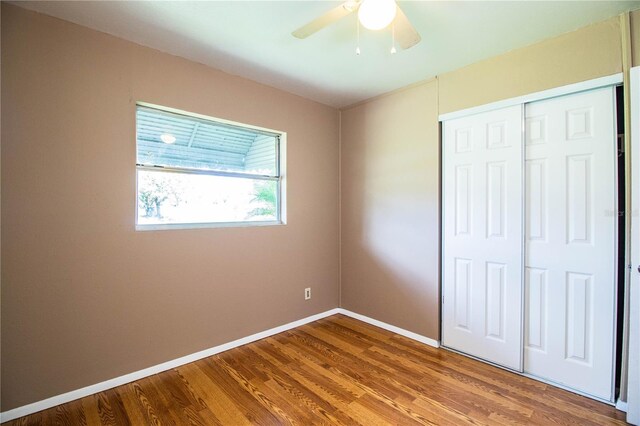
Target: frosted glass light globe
[(376, 14)]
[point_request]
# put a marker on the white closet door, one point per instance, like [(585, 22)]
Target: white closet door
[(482, 236), (570, 259)]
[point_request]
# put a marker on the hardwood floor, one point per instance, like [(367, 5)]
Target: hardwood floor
[(334, 371)]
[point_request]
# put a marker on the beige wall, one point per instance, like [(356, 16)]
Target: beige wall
[(85, 298), (390, 169), (590, 52), (390, 210), (635, 37)]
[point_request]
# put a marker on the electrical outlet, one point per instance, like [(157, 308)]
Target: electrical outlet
[(307, 293)]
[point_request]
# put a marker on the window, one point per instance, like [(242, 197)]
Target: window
[(196, 172)]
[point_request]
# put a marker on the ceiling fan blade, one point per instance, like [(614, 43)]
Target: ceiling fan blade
[(327, 19), (406, 35)]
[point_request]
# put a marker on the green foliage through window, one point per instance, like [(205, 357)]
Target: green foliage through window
[(265, 195)]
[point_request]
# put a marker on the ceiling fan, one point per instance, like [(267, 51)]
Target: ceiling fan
[(372, 14)]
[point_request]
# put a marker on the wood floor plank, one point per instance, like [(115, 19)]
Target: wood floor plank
[(90, 408), (174, 403), (287, 379), (329, 390), (117, 407), (335, 371), (504, 404), (218, 405), (538, 393), (255, 406), (138, 409), (309, 361), (106, 414)]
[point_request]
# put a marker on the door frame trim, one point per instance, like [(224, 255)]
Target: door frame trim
[(596, 83), (633, 324)]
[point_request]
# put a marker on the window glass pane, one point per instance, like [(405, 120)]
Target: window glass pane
[(166, 197), (174, 140)]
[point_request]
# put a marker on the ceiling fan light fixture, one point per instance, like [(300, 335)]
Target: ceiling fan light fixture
[(376, 14)]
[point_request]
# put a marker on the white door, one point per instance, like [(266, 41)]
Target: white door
[(570, 245), (482, 236)]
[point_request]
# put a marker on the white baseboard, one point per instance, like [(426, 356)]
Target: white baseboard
[(621, 405), (137, 375), (391, 328)]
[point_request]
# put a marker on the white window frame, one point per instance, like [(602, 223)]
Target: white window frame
[(279, 177)]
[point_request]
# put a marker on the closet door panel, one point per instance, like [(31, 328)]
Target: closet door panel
[(482, 236), (571, 240)]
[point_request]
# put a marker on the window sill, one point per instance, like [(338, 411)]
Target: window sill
[(176, 226)]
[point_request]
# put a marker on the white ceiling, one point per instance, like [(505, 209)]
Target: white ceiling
[(253, 38)]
